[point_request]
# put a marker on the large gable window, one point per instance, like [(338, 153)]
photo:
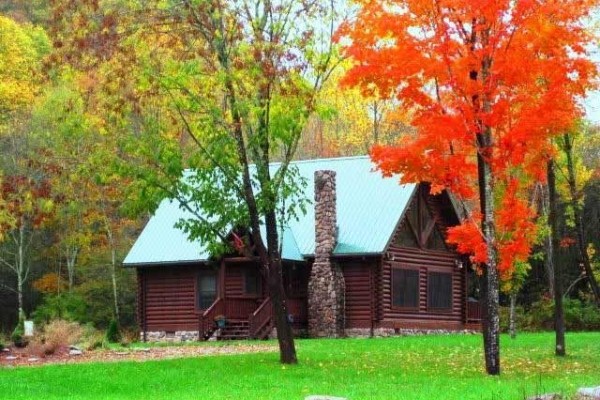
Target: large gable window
[(439, 291), (405, 288)]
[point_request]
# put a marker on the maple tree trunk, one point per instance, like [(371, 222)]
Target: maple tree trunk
[(559, 318), (491, 284), (512, 326), (574, 200), (491, 293), (548, 245)]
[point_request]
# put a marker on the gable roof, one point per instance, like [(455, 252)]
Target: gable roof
[(369, 207)]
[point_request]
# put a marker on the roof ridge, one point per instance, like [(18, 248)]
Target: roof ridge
[(344, 158), (307, 161)]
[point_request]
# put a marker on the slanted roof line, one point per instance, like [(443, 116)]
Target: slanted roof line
[(369, 208), (391, 238)]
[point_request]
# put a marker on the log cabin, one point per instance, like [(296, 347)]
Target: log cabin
[(369, 258)]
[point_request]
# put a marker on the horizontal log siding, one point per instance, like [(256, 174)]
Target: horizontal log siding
[(424, 261), (234, 281), (169, 297), (359, 294)]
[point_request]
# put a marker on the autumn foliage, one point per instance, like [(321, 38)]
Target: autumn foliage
[(462, 67)]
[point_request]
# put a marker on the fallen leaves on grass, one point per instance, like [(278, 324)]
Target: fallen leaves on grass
[(134, 354)]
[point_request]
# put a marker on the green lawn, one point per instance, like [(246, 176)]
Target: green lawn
[(431, 367)]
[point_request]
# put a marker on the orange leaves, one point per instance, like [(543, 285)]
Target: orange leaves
[(49, 283), (512, 70), (468, 240)]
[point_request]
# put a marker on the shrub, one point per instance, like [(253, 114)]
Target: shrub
[(93, 339), (61, 333), (112, 333), (66, 306), (130, 335), (18, 335), (579, 316), (1, 344), (36, 347)]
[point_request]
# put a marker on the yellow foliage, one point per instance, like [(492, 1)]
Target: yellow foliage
[(19, 66), (352, 121)]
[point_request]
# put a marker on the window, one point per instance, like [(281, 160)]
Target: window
[(207, 288), (405, 288), (252, 281), (439, 290), (295, 278)]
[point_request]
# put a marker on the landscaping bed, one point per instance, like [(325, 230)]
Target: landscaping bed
[(66, 355)]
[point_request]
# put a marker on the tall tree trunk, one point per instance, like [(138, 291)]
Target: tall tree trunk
[(559, 319), (71, 256), (113, 272), (574, 200), (285, 336), (21, 269), (548, 261), (491, 284), (512, 325), (491, 292)]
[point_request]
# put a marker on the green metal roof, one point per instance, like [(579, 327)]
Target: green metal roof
[(368, 208)]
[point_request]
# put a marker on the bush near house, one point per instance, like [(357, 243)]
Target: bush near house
[(55, 335), (579, 316), (112, 333)]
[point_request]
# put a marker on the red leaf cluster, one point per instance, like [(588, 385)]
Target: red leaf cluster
[(514, 69)]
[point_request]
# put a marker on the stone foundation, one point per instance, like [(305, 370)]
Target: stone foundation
[(164, 336), (388, 332)]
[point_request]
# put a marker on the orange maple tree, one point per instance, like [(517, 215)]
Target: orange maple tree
[(489, 83)]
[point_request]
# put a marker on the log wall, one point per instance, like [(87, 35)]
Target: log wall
[(168, 298), (360, 299), (424, 262)]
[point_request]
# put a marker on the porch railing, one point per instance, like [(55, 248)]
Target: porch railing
[(207, 320), (260, 319)]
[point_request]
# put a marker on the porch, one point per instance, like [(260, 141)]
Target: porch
[(237, 295)]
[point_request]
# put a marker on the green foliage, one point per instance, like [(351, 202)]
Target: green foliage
[(112, 332), (67, 306), (97, 294), (18, 335), (579, 316)]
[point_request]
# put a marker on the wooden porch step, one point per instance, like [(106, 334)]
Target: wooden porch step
[(235, 330)]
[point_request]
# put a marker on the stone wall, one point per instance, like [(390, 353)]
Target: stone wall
[(388, 332), (163, 336), (326, 284)]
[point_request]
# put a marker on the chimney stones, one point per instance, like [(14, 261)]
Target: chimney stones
[(326, 285)]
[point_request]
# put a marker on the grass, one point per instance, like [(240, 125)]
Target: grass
[(429, 367)]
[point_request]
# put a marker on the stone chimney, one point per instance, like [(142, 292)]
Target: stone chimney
[(326, 284)]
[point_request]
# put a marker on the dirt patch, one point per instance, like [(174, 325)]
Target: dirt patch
[(21, 357)]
